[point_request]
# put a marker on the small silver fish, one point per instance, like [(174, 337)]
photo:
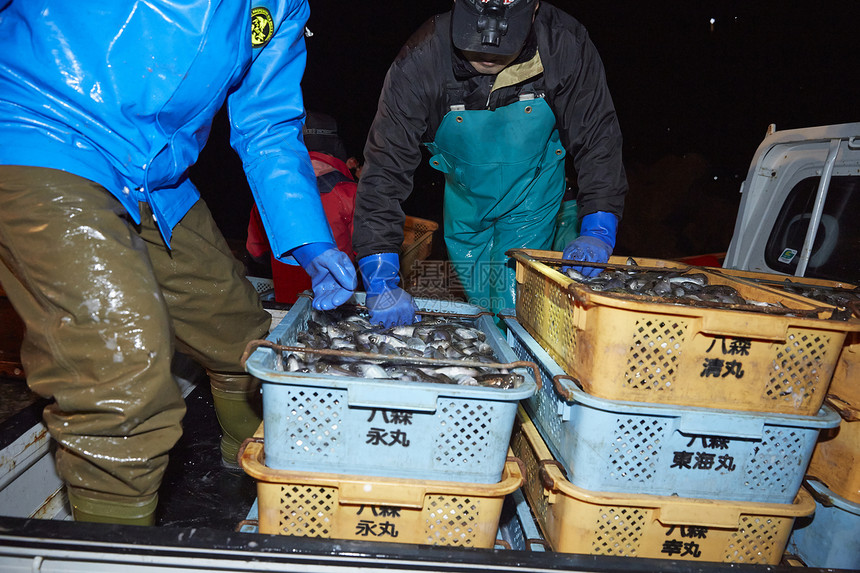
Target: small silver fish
[(575, 275), (370, 370)]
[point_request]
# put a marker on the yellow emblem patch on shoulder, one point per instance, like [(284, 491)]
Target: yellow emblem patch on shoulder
[(262, 27)]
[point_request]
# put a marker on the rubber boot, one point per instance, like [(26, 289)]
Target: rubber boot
[(238, 406), (105, 508)]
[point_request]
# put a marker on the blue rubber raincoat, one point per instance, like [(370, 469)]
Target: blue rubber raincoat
[(126, 94)]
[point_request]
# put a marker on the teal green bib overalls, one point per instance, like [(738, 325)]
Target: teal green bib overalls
[(504, 181)]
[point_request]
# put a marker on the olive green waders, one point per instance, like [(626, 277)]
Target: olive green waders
[(105, 305)]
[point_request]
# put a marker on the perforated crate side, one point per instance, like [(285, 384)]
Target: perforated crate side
[(843, 384), (333, 506), (574, 520), (836, 458), (315, 429), (352, 425), (667, 450), (624, 348)]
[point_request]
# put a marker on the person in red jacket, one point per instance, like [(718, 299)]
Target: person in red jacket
[(337, 185)]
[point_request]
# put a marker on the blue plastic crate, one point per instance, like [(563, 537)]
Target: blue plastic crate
[(658, 449), (387, 428), (517, 527), (831, 537), (249, 524)]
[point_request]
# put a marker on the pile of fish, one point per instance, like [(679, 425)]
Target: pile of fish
[(437, 338), (846, 301), (667, 284), (834, 296)]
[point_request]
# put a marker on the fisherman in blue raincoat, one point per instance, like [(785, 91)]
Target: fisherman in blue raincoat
[(108, 253), (499, 92)]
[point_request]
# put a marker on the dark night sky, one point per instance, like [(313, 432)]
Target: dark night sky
[(693, 101)]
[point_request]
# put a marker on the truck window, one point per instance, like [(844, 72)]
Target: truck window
[(836, 251)]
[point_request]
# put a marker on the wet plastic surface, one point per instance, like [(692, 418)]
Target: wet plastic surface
[(197, 491), (14, 397)]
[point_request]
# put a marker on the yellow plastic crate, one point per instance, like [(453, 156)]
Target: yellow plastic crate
[(844, 385), (334, 506), (642, 349), (417, 246), (836, 457), (574, 520)]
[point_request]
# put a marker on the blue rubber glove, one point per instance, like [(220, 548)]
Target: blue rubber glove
[(388, 304), (332, 274), (594, 244)]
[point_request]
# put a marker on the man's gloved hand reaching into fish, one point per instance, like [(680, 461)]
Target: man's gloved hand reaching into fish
[(387, 303), (594, 244)]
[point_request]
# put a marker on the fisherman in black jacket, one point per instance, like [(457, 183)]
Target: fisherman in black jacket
[(499, 91)]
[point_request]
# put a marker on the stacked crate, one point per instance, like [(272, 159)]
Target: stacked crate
[(669, 431), (381, 459), (517, 528), (830, 538), (416, 247)]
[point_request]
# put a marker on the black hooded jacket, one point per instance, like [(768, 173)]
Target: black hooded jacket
[(427, 77)]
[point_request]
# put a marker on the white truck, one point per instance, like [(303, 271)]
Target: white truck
[(800, 207), (798, 216)]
